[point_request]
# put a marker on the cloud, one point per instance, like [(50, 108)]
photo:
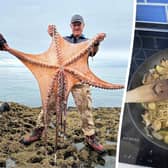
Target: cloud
[(25, 22)]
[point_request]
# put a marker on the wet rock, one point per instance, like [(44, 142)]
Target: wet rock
[(94, 156), (101, 161), (2, 162), (70, 108), (35, 159), (10, 163), (76, 165), (69, 151), (28, 125), (14, 147), (4, 107), (84, 155), (110, 149), (77, 138), (79, 145), (99, 123), (47, 163), (51, 125), (21, 119)]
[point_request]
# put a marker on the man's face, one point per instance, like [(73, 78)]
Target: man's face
[(77, 28)]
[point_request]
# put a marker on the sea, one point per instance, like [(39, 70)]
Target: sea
[(17, 84)]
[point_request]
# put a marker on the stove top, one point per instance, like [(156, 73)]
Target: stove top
[(134, 147)]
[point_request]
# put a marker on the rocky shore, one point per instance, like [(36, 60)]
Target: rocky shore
[(73, 152)]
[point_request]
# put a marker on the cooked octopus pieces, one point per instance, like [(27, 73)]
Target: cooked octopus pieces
[(155, 116)]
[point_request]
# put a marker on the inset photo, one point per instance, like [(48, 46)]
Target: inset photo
[(144, 133)]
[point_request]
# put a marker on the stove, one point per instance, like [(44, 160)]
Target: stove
[(134, 147)]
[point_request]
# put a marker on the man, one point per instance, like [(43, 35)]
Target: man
[(80, 92)]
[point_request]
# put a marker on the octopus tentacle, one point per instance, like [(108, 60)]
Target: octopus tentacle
[(92, 80), (48, 104), (30, 58), (60, 104), (56, 37), (82, 53)]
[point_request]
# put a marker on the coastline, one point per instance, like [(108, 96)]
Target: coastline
[(21, 119)]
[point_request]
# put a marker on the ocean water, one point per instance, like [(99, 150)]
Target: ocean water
[(19, 85)]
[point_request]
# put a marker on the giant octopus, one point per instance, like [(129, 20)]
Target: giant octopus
[(57, 70)]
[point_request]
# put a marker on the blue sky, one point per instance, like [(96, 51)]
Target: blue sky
[(24, 24)]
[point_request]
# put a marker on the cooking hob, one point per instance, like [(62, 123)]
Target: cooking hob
[(134, 147)]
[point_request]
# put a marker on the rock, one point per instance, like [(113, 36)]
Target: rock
[(2, 162), (10, 163), (51, 125), (35, 159), (79, 145), (70, 108), (69, 151), (4, 107), (77, 138), (99, 123), (101, 161), (21, 119), (110, 149), (84, 155)]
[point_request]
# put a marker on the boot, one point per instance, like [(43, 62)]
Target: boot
[(93, 143)]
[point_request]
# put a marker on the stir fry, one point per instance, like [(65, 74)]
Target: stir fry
[(155, 116)]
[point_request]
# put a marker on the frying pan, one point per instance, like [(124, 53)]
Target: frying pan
[(135, 110)]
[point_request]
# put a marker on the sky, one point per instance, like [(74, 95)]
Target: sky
[(24, 24)]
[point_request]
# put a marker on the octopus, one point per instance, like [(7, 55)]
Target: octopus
[(57, 70)]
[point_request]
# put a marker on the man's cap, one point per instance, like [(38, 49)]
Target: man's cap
[(77, 18)]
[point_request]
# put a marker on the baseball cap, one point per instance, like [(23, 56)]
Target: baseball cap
[(77, 18)]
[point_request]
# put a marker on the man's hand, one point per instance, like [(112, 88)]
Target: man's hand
[(94, 49), (51, 29), (3, 44), (5, 47), (101, 37)]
